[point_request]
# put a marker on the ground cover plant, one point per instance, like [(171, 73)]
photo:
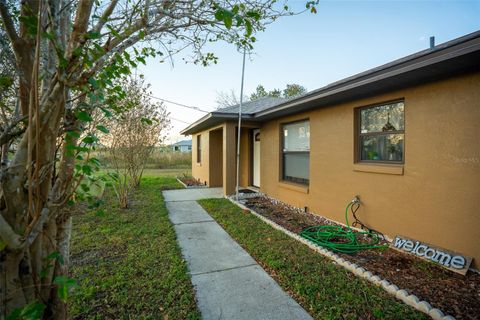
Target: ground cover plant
[(127, 262), (450, 292), (325, 290)]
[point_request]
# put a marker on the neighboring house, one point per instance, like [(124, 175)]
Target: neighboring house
[(182, 146), (404, 136)]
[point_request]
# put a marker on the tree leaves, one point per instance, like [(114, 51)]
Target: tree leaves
[(102, 128), (64, 287), (83, 116), (32, 311)]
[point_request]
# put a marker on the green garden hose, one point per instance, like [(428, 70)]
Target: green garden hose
[(343, 239)]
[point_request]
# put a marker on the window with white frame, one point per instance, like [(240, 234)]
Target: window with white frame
[(381, 133), (296, 152)]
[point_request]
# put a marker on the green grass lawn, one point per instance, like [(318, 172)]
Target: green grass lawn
[(127, 262), (325, 290)]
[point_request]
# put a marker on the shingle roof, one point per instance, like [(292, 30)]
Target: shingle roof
[(252, 107), (183, 143)]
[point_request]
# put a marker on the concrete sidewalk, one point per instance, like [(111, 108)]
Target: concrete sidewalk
[(229, 284)]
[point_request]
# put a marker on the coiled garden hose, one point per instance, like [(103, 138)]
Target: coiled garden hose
[(343, 239)]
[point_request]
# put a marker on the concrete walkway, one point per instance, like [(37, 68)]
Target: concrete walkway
[(229, 284)]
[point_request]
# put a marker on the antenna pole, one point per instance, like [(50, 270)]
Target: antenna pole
[(239, 129)]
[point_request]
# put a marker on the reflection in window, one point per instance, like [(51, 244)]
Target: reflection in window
[(382, 130)]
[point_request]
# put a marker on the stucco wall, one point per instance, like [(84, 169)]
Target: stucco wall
[(436, 199), (200, 170), (215, 158)]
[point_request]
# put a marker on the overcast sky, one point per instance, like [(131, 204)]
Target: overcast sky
[(342, 39)]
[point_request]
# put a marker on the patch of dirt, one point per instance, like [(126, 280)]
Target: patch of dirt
[(190, 181), (452, 293)]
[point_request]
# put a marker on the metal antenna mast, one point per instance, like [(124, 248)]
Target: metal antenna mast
[(239, 129)]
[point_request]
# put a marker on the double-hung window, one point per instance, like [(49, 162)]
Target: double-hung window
[(380, 134), (296, 152)]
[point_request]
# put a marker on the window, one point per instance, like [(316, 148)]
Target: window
[(381, 133), (296, 152), (199, 148)]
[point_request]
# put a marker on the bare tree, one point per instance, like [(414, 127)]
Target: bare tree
[(230, 98), (133, 135), (66, 51)]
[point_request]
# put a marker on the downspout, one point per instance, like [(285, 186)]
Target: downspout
[(239, 130)]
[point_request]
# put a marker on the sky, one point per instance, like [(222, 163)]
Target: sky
[(313, 50)]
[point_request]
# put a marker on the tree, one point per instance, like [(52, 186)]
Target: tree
[(133, 135), (67, 53), (226, 99), (291, 91), (7, 93)]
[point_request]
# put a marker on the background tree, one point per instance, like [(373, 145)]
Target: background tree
[(67, 54), (228, 98), (134, 133), (291, 91)]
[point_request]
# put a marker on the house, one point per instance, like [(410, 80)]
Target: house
[(182, 146), (403, 136)]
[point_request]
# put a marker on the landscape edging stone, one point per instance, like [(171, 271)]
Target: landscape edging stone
[(400, 294)]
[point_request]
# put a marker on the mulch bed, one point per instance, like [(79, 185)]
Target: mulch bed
[(452, 293), (190, 181)]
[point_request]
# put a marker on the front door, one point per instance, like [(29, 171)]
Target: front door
[(256, 158)]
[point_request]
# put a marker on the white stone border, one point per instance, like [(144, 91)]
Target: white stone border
[(392, 289)]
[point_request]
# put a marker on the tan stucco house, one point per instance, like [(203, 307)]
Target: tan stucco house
[(404, 136)]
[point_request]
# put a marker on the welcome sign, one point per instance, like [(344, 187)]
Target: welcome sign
[(448, 259)]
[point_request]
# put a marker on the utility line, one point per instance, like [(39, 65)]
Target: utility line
[(179, 120), (179, 104)]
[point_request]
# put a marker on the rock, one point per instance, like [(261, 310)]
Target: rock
[(424, 306), (448, 317), (401, 294), (436, 314), (392, 289), (384, 283), (359, 271), (376, 279), (412, 300)]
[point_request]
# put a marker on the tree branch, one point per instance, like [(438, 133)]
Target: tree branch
[(104, 18), (7, 133), (10, 237), (84, 9), (8, 22)]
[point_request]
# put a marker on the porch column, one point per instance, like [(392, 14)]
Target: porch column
[(229, 158)]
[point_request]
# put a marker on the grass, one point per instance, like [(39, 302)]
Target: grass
[(127, 262), (160, 158), (325, 290)]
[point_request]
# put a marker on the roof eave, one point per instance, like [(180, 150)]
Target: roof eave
[(212, 118)]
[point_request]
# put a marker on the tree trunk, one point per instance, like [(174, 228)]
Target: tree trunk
[(4, 152)]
